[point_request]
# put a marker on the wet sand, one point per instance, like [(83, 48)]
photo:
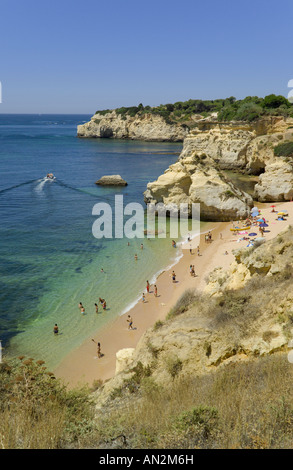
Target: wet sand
[(82, 366)]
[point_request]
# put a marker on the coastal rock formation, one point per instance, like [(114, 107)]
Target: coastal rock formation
[(123, 359), (276, 184), (148, 127), (264, 259), (241, 146), (196, 179), (111, 180), (238, 145)]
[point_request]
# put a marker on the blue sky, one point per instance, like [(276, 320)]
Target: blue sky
[(69, 56)]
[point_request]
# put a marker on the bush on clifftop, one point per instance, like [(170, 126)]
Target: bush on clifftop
[(228, 109)]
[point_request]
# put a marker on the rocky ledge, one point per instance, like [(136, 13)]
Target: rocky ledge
[(212, 146), (148, 127), (197, 179)]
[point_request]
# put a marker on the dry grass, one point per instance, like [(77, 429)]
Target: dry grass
[(248, 405), (36, 410)]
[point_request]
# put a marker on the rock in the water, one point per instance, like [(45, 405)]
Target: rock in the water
[(111, 180)]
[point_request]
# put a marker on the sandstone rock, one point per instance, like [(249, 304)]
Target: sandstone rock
[(147, 127), (123, 359), (225, 143), (276, 184), (195, 179), (111, 180)]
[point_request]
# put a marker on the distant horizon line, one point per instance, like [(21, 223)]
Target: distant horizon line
[(46, 114)]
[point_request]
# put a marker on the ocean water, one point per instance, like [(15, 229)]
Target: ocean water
[(49, 259)]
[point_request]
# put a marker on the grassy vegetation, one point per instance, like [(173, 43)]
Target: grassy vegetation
[(246, 405), (37, 412), (284, 150), (228, 109)]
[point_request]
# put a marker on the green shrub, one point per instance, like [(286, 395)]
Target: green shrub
[(184, 303), (174, 366), (284, 150)]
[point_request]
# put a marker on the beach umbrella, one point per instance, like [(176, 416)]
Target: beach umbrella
[(281, 213), (252, 234), (260, 220), (263, 225)]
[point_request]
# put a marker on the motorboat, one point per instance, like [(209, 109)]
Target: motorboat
[(50, 176)]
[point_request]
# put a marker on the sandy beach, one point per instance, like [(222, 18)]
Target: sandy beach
[(82, 366)]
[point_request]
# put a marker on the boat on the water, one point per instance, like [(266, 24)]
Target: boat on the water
[(50, 176)]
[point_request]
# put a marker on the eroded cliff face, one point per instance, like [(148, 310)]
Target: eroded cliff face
[(240, 146), (147, 127), (195, 179)]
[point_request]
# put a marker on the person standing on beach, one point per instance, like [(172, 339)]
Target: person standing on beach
[(148, 286), (198, 254), (156, 290), (129, 320), (99, 350), (173, 276), (143, 297)]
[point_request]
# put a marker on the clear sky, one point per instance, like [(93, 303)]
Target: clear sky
[(69, 56)]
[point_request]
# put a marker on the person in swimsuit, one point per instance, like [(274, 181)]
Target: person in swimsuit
[(56, 329), (129, 320), (97, 308)]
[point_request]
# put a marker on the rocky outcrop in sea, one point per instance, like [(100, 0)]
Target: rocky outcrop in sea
[(148, 127)]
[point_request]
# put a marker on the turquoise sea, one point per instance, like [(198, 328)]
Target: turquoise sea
[(49, 259)]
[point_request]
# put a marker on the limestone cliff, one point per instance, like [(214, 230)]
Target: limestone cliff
[(148, 127), (240, 146), (196, 179)]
